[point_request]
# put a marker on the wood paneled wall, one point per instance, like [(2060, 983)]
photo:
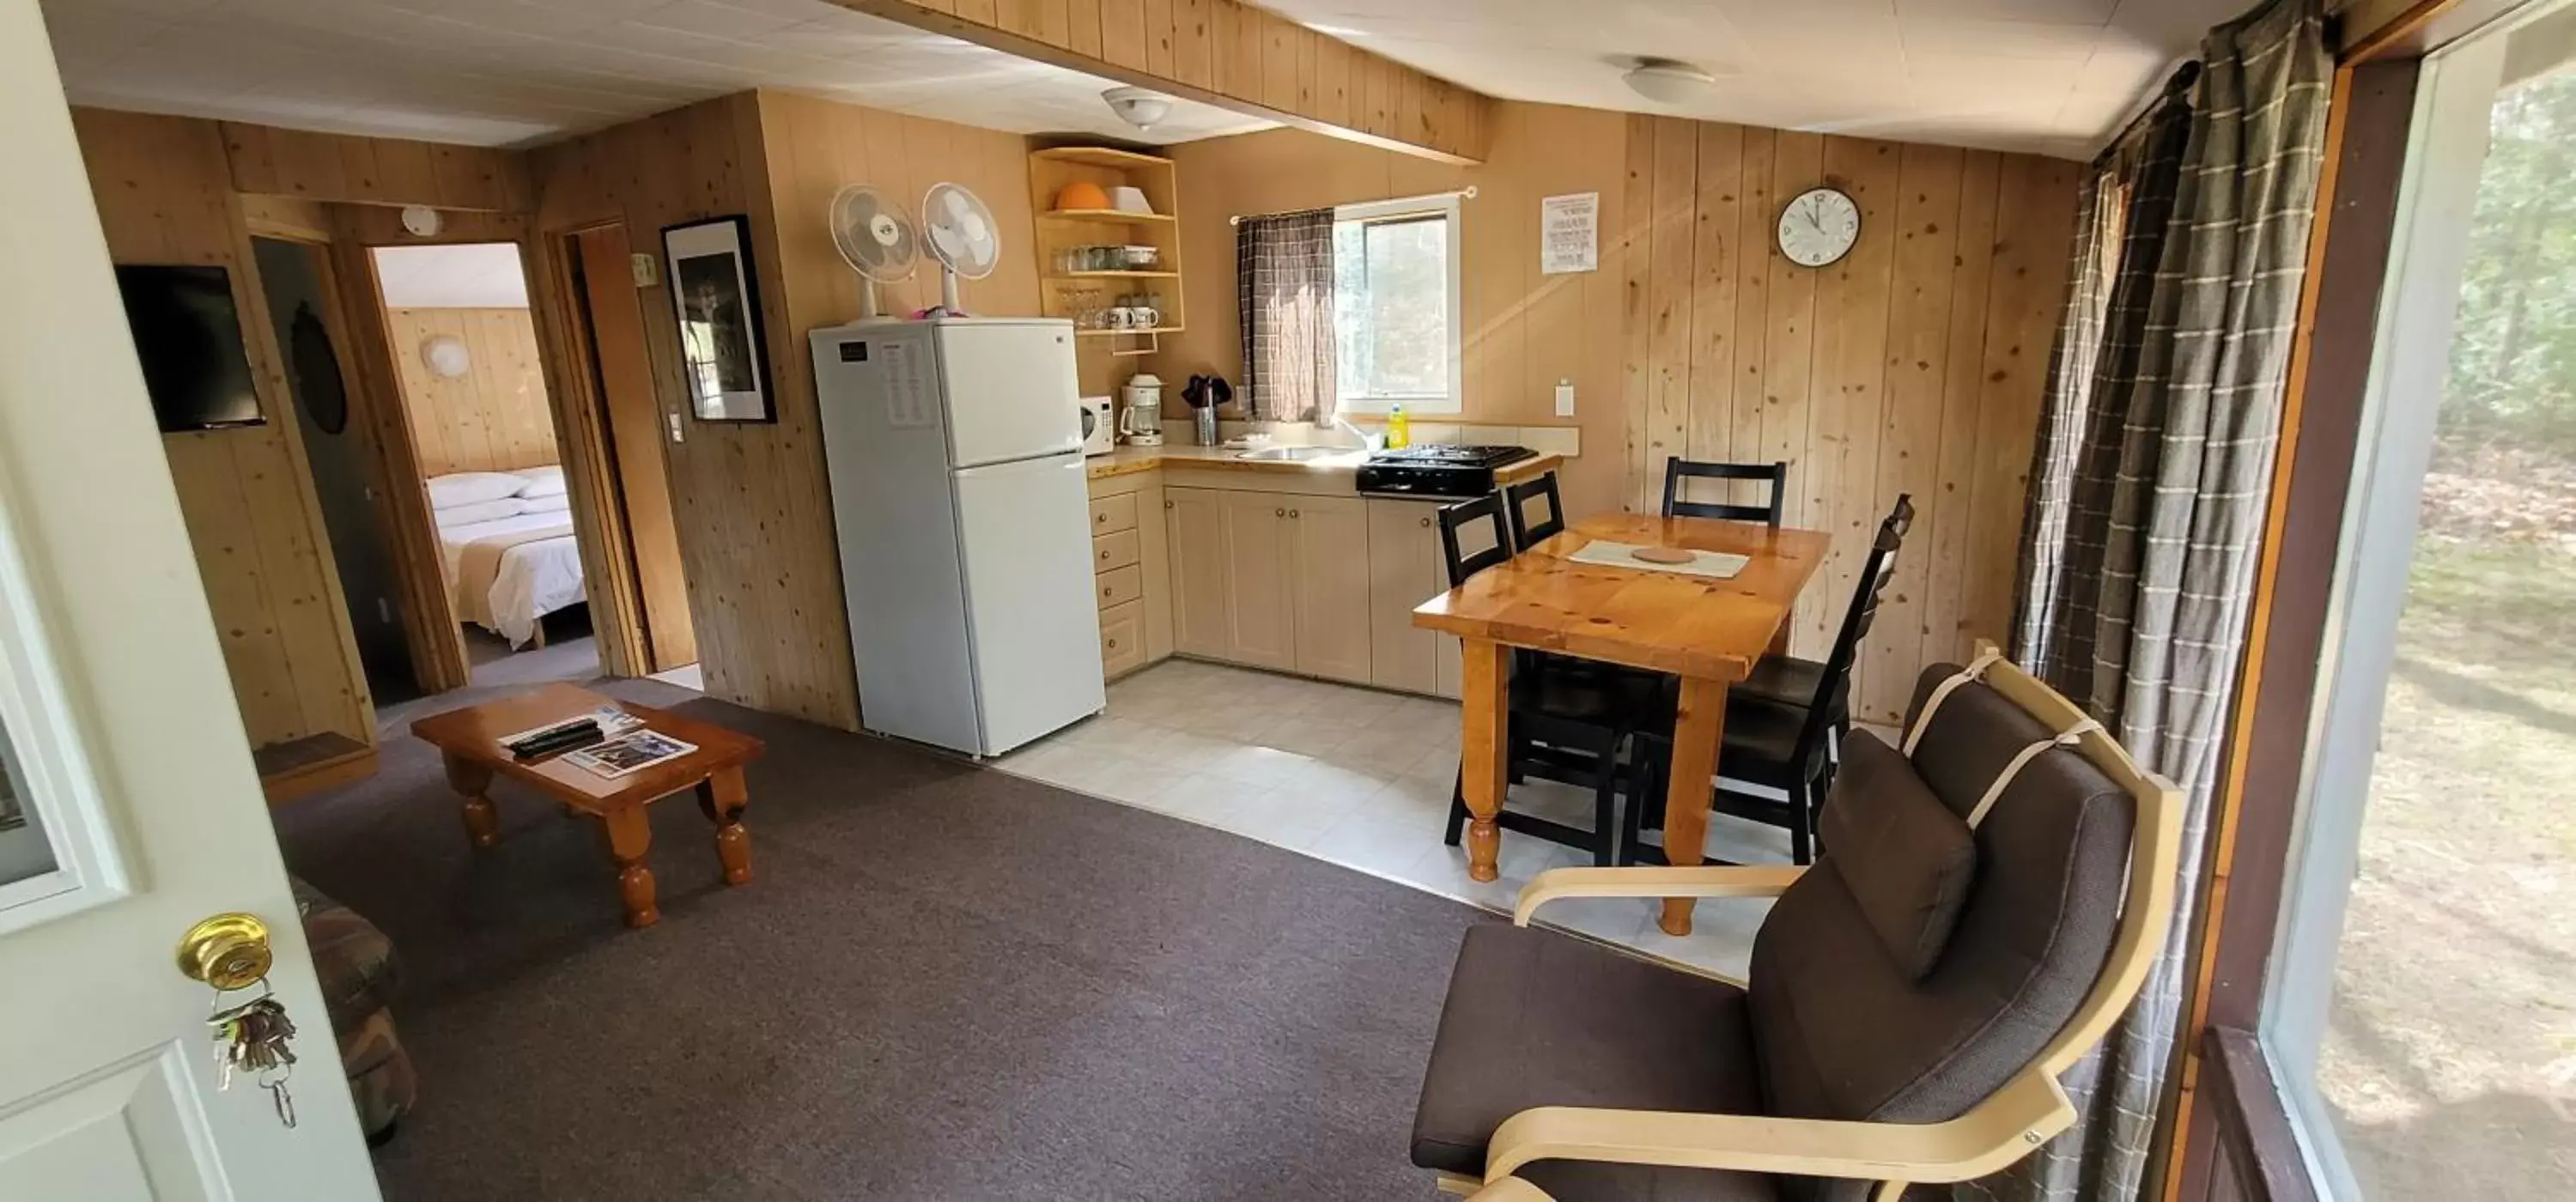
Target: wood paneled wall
[(1522, 331), (751, 501), (165, 195), (1227, 53), (492, 418), (268, 161), (1914, 365)]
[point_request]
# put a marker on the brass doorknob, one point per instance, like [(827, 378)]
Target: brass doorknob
[(227, 951)]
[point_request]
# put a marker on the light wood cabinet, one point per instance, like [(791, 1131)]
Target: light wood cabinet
[(1260, 574), (1329, 577), (1131, 568), (1406, 569), (1194, 521), (1318, 585)]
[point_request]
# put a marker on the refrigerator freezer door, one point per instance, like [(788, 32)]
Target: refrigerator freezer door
[(1010, 389), (892, 509), (1024, 536)]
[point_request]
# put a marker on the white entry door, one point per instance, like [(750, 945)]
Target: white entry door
[(130, 809)]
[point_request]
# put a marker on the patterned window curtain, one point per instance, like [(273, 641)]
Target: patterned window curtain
[(1284, 287), (2150, 552), (2121, 220)]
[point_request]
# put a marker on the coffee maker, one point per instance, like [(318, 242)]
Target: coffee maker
[(1140, 416)]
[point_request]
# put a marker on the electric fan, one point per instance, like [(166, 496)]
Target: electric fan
[(962, 237), (876, 238)]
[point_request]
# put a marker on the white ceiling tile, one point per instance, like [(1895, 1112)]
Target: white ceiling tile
[(714, 20), (2002, 73)]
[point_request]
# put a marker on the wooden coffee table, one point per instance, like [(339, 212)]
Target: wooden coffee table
[(471, 738)]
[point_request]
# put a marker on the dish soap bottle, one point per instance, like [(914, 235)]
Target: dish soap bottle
[(1399, 429)]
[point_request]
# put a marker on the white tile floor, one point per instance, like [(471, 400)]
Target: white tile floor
[(687, 676), (1360, 778)]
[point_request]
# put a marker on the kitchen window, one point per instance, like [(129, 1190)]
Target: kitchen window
[(1395, 305)]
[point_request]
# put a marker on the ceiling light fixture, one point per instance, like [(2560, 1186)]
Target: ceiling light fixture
[(1669, 81), (1138, 107)]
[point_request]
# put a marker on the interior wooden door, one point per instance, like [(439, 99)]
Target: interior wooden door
[(1329, 581), (1195, 526), (1260, 559), (623, 374)]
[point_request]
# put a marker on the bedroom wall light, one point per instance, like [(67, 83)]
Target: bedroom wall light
[(445, 356)]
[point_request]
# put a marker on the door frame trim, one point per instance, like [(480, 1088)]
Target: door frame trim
[(581, 432)]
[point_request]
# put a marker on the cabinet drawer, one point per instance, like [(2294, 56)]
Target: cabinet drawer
[(1109, 515), (1111, 551), (1118, 586), (1122, 638)]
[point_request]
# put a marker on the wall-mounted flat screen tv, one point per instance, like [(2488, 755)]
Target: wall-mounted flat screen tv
[(189, 336)]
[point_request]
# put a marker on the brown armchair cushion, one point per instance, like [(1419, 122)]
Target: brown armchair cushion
[(1905, 857), (1844, 1032), (1536, 1018)]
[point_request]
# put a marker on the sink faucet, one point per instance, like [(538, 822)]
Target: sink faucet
[(1373, 442)]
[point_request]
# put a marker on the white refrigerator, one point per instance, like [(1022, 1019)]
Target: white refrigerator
[(955, 452)]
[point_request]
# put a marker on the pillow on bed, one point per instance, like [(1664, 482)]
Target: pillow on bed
[(544, 481), (449, 516), (558, 503), (467, 488)]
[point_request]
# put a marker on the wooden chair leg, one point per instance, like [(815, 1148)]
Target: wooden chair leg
[(1457, 809), (1605, 808), (1802, 809)]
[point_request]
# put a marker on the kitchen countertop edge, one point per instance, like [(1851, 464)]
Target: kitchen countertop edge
[(1129, 460)]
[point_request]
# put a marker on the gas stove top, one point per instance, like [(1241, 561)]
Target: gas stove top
[(1436, 471)]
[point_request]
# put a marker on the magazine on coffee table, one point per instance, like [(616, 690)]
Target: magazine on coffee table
[(630, 753)]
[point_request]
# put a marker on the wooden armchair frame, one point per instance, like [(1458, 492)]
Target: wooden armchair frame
[(2026, 1112)]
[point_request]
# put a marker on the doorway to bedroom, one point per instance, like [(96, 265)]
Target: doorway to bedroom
[(472, 387)]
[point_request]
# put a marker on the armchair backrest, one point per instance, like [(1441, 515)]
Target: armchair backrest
[(2071, 891)]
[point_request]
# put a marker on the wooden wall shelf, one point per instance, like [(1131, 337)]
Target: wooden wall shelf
[(1105, 216), (1096, 351), (1101, 156)]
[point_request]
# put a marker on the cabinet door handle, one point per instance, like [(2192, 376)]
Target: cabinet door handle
[(1292, 513), (1426, 523), (1167, 504), (1279, 513)]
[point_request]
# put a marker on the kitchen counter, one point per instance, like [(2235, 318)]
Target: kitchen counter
[(1127, 460)]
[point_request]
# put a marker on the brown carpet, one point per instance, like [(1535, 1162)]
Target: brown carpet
[(943, 983)]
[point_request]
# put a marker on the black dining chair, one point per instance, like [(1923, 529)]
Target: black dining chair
[(1516, 501), (1565, 726), (1677, 470), (1785, 748)]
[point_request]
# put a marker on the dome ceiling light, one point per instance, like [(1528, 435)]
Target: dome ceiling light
[(1670, 81)]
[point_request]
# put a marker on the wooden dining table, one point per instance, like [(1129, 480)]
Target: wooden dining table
[(1706, 631)]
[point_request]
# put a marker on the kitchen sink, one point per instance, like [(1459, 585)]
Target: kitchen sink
[(1295, 454)]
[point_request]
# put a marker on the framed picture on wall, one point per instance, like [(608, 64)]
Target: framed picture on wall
[(717, 296)]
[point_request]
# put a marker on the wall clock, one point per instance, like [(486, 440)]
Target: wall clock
[(1819, 227)]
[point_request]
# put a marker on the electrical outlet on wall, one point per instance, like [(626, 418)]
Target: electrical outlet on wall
[(1565, 398), (644, 267)]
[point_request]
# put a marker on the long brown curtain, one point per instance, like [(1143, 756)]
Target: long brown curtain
[(2139, 558), (1284, 286)]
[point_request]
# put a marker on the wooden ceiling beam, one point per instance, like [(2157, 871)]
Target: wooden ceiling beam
[(1228, 54)]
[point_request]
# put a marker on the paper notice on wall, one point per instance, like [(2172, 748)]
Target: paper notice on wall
[(907, 395), (1569, 233)]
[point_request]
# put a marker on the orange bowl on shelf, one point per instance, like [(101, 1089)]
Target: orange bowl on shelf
[(1081, 194)]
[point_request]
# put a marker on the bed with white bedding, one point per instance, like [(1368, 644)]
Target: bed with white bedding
[(509, 560)]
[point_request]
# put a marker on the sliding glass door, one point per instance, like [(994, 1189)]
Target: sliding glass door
[(2422, 1010)]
